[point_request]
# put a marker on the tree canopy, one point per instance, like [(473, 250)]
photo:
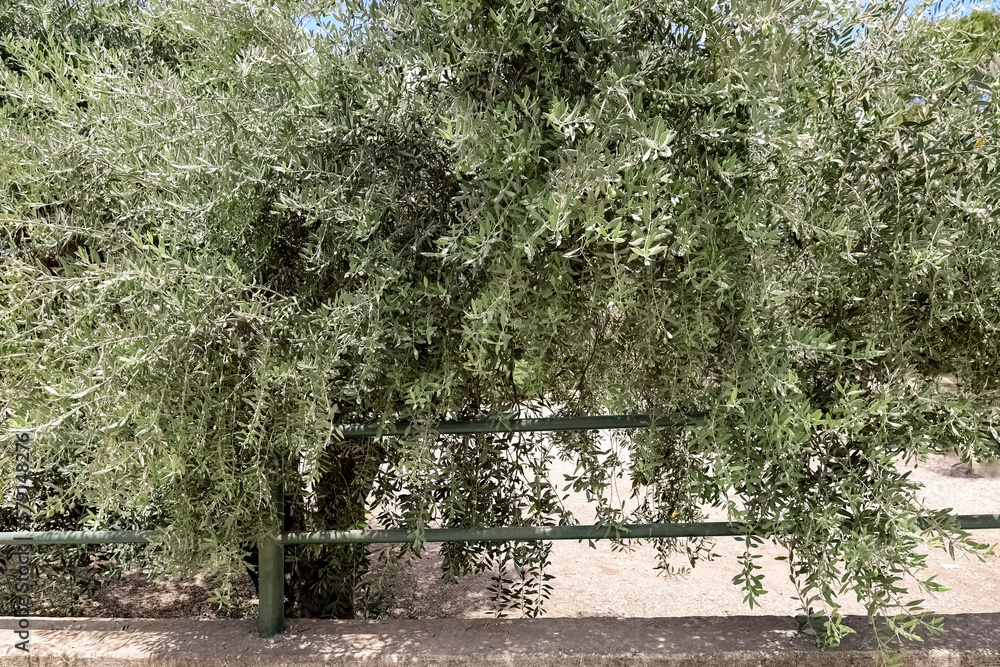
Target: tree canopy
[(224, 236)]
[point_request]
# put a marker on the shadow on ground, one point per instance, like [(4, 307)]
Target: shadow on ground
[(738, 640)]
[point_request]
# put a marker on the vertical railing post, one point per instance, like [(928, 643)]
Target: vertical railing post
[(271, 609)]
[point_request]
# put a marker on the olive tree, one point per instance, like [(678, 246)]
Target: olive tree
[(225, 236)]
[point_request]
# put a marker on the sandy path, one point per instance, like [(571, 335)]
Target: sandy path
[(604, 582)]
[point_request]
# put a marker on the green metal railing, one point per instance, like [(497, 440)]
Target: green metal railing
[(271, 568)]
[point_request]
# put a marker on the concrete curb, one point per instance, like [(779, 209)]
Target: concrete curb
[(972, 640)]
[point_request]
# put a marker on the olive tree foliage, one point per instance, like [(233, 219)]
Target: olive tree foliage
[(224, 236)]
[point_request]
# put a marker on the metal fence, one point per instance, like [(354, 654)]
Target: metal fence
[(271, 570)]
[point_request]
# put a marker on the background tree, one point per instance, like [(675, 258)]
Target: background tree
[(224, 237), (979, 30)]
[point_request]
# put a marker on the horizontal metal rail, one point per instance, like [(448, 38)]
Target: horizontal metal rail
[(515, 533), (500, 425), (497, 534), (78, 537), (545, 533), (979, 521)]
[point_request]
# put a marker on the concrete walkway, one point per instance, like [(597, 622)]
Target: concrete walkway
[(747, 641)]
